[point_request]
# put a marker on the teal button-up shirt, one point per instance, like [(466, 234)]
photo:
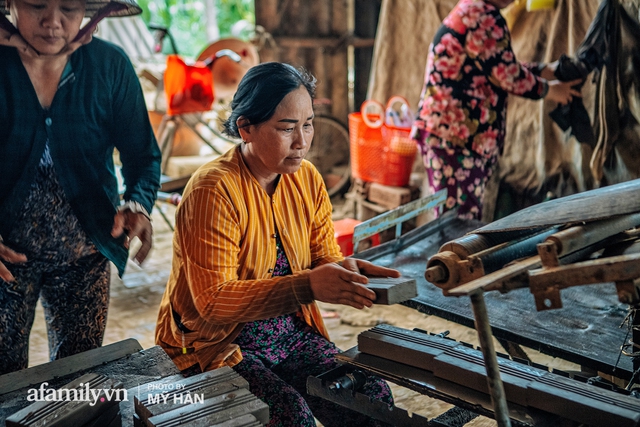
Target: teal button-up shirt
[(99, 106)]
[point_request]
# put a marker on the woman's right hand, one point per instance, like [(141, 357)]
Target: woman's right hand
[(563, 92), (9, 255), (336, 285)]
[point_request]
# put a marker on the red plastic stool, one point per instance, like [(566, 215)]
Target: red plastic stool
[(344, 235)]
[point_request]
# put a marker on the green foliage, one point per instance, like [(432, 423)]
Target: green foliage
[(187, 23)]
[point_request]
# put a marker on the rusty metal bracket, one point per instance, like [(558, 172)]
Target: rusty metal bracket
[(548, 252), (627, 292), (545, 283)]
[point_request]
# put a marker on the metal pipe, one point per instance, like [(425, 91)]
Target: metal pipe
[(451, 272), (473, 243), (495, 260), (580, 236), (496, 388)]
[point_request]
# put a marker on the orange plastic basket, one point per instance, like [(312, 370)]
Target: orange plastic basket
[(379, 152), (188, 88), (365, 143)]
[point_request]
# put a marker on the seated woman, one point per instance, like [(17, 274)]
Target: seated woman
[(254, 248)]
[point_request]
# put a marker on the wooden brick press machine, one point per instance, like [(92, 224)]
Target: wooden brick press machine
[(567, 273)]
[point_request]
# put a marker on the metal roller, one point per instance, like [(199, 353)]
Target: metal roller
[(462, 261), (448, 269), (472, 243), (581, 236)]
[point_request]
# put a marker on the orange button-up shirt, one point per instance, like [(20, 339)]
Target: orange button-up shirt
[(224, 251)]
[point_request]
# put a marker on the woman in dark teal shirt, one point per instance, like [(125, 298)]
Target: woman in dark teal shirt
[(66, 107)]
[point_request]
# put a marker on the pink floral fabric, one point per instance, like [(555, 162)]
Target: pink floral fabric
[(470, 71)]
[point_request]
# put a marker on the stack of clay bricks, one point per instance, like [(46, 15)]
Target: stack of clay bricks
[(371, 199), (218, 398)]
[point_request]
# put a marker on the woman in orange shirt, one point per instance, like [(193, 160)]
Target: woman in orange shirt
[(254, 248)]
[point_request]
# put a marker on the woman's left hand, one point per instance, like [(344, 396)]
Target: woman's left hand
[(134, 224), (9, 36), (368, 269)]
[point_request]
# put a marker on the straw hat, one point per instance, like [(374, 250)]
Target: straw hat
[(93, 6)]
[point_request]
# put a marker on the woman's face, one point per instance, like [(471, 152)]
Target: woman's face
[(47, 25), (279, 145)]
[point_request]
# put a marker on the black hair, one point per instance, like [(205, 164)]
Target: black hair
[(262, 89)]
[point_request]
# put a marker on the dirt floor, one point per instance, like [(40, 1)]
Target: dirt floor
[(136, 297)]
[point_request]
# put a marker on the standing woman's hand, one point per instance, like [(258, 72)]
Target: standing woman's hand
[(9, 255), (134, 224), (562, 92), (9, 36), (549, 71)]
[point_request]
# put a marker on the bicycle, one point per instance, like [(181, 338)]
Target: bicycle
[(329, 150)]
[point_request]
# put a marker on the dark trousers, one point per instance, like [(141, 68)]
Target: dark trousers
[(75, 299)]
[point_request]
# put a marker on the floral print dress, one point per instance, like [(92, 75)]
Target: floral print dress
[(279, 354), (460, 126)]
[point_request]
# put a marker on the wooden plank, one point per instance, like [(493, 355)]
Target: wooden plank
[(65, 366), (392, 290), (214, 411), (339, 23), (247, 420), (267, 14), (339, 86), (317, 65), (296, 16), (109, 418), (174, 388), (267, 17), (324, 42), (75, 405), (590, 205), (525, 385), (320, 11), (396, 217), (391, 197)]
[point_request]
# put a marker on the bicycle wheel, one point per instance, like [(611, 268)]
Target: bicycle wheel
[(329, 153)]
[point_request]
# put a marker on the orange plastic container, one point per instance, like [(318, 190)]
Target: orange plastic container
[(344, 235), (188, 87), (379, 152), (398, 156), (365, 148)]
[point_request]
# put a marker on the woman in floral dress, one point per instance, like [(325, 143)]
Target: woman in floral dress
[(470, 71)]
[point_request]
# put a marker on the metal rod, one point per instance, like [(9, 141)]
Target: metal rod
[(496, 388), (635, 334)]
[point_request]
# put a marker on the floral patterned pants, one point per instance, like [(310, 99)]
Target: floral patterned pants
[(278, 356), (464, 174)]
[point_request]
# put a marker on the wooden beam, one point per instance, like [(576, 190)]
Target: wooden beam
[(331, 42), (67, 365)]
